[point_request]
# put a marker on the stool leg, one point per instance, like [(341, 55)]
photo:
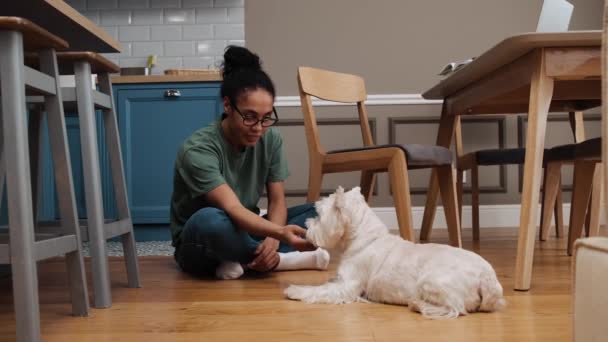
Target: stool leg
[(65, 185), (21, 223), (92, 185), (35, 140), (118, 178)]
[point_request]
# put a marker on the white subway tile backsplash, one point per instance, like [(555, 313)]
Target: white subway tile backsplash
[(102, 4), (197, 3), (145, 49), (115, 17), (236, 15), (180, 16), (148, 17), (92, 16), (126, 50), (229, 3), (166, 32), (237, 42), (197, 32), (181, 33), (210, 47), (163, 63), (211, 15), (229, 31), (133, 62), (178, 49), (132, 4), (133, 33), (164, 3), (198, 62)]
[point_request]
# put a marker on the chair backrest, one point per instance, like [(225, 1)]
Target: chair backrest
[(330, 86)]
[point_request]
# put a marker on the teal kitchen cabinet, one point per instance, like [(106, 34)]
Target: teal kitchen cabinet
[(154, 119)]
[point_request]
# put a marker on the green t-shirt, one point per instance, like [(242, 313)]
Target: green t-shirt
[(206, 160)]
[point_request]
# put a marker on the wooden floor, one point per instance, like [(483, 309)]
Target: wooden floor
[(173, 306)]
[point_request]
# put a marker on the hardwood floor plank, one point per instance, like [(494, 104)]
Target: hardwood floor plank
[(173, 306)]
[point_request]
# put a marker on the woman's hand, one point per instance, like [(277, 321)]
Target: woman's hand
[(295, 236), (266, 256)]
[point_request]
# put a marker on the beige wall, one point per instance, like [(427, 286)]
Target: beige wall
[(398, 47)]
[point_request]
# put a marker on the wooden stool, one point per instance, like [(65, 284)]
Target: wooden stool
[(98, 230), (23, 251)]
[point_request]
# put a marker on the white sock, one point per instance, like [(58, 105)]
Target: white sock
[(316, 260), (228, 270)]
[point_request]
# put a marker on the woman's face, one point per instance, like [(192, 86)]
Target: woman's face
[(252, 104)]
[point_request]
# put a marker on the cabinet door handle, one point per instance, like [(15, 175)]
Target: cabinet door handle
[(172, 93)]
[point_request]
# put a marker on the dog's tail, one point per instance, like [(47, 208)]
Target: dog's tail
[(491, 293), (434, 311), (434, 302)]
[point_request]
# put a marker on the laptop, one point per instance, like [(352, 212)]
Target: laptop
[(555, 16)]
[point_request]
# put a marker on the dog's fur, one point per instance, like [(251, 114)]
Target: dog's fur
[(436, 280)]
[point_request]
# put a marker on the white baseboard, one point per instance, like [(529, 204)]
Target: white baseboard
[(490, 216)]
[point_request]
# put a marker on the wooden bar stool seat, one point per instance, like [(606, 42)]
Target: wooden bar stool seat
[(23, 250)]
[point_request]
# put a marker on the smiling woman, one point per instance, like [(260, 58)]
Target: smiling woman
[(220, 174)]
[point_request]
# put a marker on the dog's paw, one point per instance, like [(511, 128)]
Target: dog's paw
[(295, 292)]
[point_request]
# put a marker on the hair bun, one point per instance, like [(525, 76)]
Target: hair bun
[(237, 57)]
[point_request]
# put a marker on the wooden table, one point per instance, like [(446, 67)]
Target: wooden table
[(59, 18), (536, 73)]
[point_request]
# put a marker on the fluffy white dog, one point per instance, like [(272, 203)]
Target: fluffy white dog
[(436, 280)]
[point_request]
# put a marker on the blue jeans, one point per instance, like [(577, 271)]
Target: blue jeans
[(209, 236)]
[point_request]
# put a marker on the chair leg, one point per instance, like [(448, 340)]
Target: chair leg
[(447, 189), (92, 182), (368, 179), (315, 180), (581, 193), (588, 216), (397, 170), (594, 210), (430, 208), (559, 211), (21, 223), (459, 188), (475, 201), (551, 187), (120, 187)]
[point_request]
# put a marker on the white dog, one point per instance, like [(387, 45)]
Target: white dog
[(436, 280)]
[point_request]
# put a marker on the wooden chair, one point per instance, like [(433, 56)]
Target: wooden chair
[(587, 168), (23, 250), (554, 159), (552, 192), (370, 159)]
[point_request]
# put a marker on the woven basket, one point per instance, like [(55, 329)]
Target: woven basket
[(192, 72)]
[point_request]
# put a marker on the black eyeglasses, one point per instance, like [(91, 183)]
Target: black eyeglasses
[(250, 121)]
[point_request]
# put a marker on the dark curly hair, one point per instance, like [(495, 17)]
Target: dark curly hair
[(242, 72)]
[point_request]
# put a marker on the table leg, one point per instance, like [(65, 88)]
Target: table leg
[(444, 138), (541, 92)]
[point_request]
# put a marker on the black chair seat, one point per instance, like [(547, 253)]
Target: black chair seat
[(500, 156), (588, 149), (418, 156), (561, 153)]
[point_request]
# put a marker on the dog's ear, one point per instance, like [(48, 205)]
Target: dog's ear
[(339, 198), (356, 190)]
